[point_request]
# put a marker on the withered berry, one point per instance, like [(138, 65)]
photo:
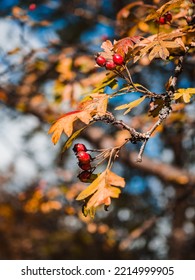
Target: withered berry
[(168, 17), (84, 176), (85, 166)]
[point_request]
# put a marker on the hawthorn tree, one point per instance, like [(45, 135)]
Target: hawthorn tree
[(111, 108), (167, 36)]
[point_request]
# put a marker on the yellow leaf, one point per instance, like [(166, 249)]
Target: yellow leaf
[(185, 93), (102, 189), (68, 143), (130, 105), (65, 124), (92, 187), (170, 5)]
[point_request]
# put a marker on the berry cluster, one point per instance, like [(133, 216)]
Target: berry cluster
[(165, 18), (110, 64), (84, 161)]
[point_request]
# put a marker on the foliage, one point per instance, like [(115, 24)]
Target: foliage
[(134, 115), (170, 44)]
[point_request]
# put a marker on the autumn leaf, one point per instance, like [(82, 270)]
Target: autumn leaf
[(107, 46), (65, 124), (186, 94), (122, 46), (170, 5), (64, 67), (159, 46), (96, 104), (109, 80), (130, 105), (155, 107), (159, 50), (102, 189), (68, 143)]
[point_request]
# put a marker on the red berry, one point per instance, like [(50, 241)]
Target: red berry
[(32, 7), (84, 176), (79, 148), (168, 17), (83, 157), (161, 20), (101, 61), (85, 166), (118, 59), (110, 65)]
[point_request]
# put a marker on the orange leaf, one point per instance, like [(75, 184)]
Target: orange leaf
[(122, 46), (65, 124), (95, 103)]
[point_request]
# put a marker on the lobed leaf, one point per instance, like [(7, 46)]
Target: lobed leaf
[(101, 190), (65, 124)]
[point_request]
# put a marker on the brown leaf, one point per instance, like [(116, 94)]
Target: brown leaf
[(155, 107)]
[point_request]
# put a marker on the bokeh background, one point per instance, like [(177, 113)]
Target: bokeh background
[(46, 65)]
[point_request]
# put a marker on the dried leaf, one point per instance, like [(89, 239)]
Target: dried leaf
[(130, 105), (65, 124), (155, 107)]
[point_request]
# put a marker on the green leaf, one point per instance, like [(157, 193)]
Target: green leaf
[(130, 105)]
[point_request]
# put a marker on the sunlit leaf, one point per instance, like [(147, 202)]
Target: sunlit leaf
[(102, 189), (130, 105), (95, 103), (65, 124), (109, 80), (186, 94), (122, 46), (170, 5)]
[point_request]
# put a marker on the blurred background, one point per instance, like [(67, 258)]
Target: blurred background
[(46, 66)]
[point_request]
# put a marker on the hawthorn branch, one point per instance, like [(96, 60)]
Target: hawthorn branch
[(108, 118)]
